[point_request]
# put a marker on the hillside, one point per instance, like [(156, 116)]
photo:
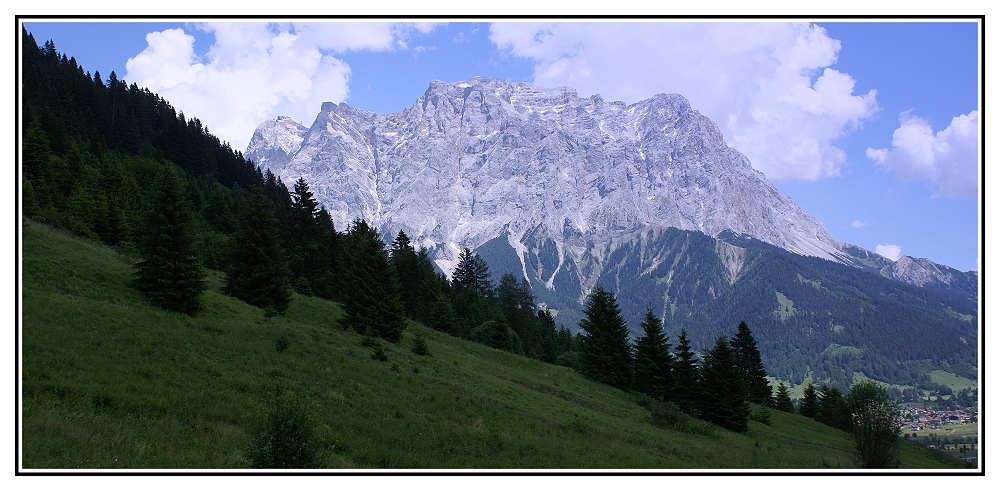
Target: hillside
[(109, 382)]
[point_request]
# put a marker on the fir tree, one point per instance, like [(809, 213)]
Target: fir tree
[(404, 263), (758, 388), (472, 274), (257, 272), (782, 401), (606, 355), (653, 363), (723, 399), (685, 376), (833, 410), (810, 401), (170, 273), (372, 304)]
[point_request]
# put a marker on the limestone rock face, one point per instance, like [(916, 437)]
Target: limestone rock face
[(483, 158)]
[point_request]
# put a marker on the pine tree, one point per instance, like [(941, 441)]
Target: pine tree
[(833, 410), (606, 355), (170, 273), (404, 263), (723, 399), (472, 274), (810, 401), (372, 305), (782, 401), (257, 272), (758, 388), (685, 376), (653, 362)]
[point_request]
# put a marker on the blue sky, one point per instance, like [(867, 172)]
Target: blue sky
[(872, 127)]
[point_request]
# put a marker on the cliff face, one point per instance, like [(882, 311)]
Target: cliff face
[(477, 159)]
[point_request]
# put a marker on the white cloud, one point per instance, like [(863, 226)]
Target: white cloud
[(858, 224), (890, 251), (768, 86), (255, 70), (947, 160)]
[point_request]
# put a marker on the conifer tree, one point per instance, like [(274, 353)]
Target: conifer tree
[(782, 401), (257, 272), (606, 355), (170, 273), (685, 376), (810, 401), (404, 263), (372, 305), (723, 399), (758, 388), (653, 362), (833, 410), (472, 274)]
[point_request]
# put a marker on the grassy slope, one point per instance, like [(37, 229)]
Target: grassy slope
[(110, 382)]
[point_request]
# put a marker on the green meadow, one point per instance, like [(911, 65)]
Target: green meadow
[(109, 382)]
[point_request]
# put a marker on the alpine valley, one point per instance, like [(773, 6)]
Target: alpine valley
[(644, 199)]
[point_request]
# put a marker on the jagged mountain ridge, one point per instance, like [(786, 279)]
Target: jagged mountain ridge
[(472, 160)]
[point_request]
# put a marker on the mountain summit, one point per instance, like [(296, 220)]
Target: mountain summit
[(475, 159)]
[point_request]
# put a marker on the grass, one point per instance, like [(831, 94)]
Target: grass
[(110, 382)]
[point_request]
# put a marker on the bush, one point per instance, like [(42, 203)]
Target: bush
[(761, 415), (420, 346), (286, 438), (281, 344)]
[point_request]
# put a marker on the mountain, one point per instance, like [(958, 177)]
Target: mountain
[(569, 192)]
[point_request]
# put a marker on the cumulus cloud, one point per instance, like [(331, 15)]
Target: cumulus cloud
[(769, 86), (858, 224), (947, 160), (890, 251), (255, 70)]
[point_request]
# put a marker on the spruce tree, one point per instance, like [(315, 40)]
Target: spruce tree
[(606, 355), (372, 304), (472, 274), (170, 273), (758, 388), (782, 400), (653, 362), (723, 399), (685, 376), (257, 272), (404, 263), (810, 401)]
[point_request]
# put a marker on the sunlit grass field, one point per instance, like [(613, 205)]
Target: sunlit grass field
[(109, 382)]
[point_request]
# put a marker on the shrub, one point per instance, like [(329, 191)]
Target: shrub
[(286, 438), (761, 415)]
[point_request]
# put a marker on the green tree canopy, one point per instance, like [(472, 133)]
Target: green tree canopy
[(686, 381), (606, 355), (372, 304), (653, 362), (170, 273), (723, 400), (257, 272), (810, 401), (782, 400), (875, 430), (748, 359)]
